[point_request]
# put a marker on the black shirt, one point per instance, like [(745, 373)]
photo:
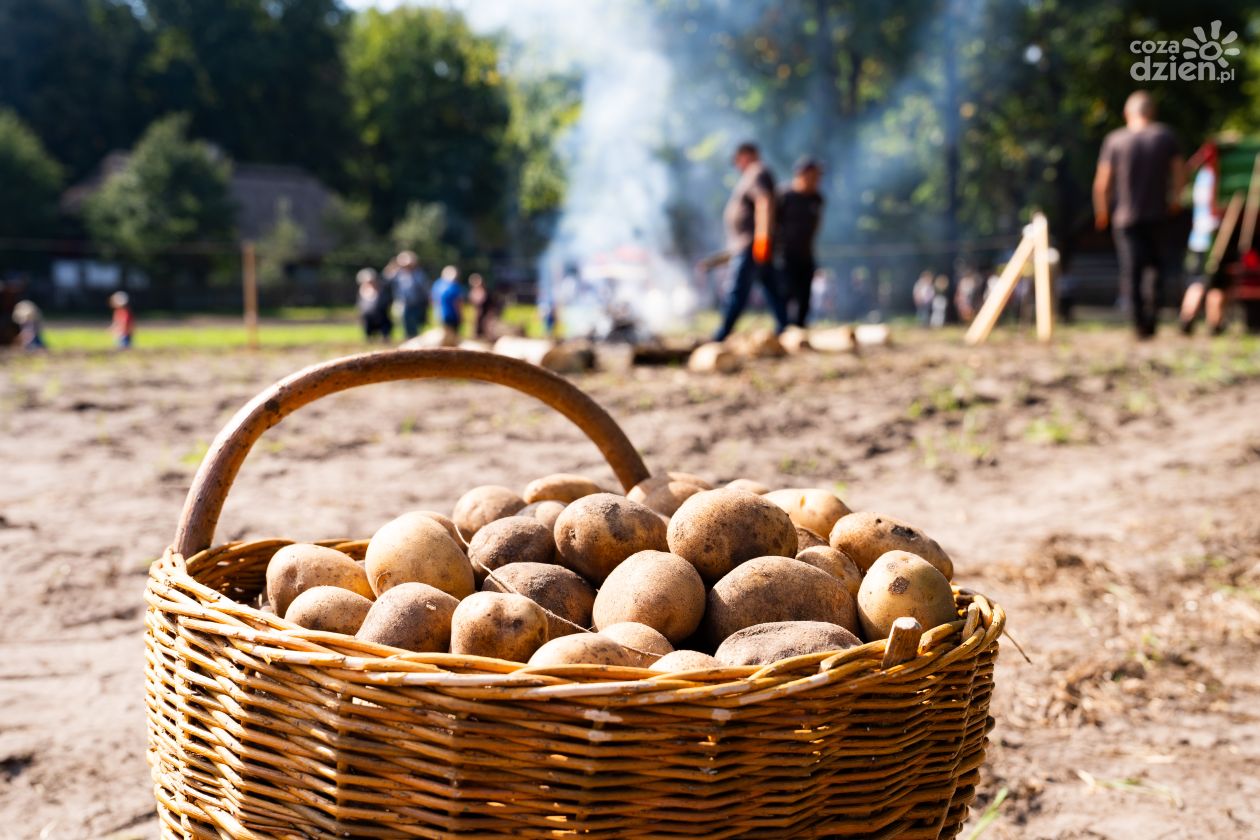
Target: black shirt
[(1141, 163), (798, 217)]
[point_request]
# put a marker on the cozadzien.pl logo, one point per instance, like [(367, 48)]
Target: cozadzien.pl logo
[(1203, 58)]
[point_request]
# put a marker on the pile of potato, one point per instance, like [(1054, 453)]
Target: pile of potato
[(676, 575)]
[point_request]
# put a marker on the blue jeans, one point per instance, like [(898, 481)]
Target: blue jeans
[(744, 270), (414, 316)]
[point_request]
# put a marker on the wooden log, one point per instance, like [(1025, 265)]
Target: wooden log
[(713, 357), (988, 316)]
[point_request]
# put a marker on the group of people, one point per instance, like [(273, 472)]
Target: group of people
[(30, 323), (403, 289), (770, 237)]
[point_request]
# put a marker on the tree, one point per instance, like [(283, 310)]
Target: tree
[(430, 109), (169, 209), (31, 182)]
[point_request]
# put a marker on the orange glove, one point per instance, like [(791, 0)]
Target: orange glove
[(761, 248)]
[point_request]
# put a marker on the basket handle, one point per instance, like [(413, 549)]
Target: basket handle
[(218, 469)]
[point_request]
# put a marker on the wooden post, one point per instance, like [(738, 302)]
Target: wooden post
[(249, 278), (1223, 234), (1042, 287), (1250, 210), (988, 316)]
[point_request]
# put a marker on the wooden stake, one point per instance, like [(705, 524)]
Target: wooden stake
[(1223, 234), (1251, 210), (1042, 287), (988, 316), (250, 281)]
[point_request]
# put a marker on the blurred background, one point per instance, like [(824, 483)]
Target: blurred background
[(144, 142)]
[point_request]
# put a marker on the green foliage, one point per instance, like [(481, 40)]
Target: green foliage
[(31, 181), (430, 110), (281, 246), (421, 229), (173, 192)]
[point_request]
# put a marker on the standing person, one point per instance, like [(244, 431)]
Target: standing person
[(1136, 189), (448, 299), (411, 290), (1204, 287), (923, 293), (124, 322), (373, 304), (799, 215), (749, 219), (485, 305)]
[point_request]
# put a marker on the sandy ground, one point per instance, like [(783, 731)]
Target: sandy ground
[(1103, 492)]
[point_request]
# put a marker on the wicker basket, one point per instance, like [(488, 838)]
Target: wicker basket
[(259, 728)]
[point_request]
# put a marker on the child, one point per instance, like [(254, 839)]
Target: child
[(30, 323), (373, 304), (124, 322), (448, 299)]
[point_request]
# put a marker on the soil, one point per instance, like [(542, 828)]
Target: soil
[(1103, 492)]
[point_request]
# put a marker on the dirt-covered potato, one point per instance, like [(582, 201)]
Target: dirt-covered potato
[(762, 644), (903, 584), (748, 485), (595, 533), (717, 530), (582, 649), (767, 589), (509, 540), (866, 536), (560, 487), (684, 660), (806, 538), (835, 563), (296, 568), (662, 493), (449, 524), (329, 608), (482, 505), (556, 589), (655, 588), (414, 548), (546, 512), (690, 478), (412, 616), (810, 507), (498, 625), (645, 644)]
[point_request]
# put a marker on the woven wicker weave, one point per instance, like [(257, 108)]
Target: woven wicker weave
[(259, 728)]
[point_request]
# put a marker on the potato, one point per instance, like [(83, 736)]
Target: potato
[(560, 487), (662, 493), (509, 540), (899, 584), (498, 625), (645, 644), (717, 530), (749, 486), (412, 616), (545, 512), (866, 536), (329, 608), (414, 548), (835, 563), (446, 522), (806, 538), (810, 507), (556, 589), (582, 649), (597, 532), (482, 505), (768, 589), (684, 660), (762, 644), (655, 588), (296, 568)]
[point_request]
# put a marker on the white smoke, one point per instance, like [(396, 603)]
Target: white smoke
[(614, 221)]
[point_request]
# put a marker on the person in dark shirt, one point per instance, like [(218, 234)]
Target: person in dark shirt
[(1136, 190), (799, 214), (749, 218)]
